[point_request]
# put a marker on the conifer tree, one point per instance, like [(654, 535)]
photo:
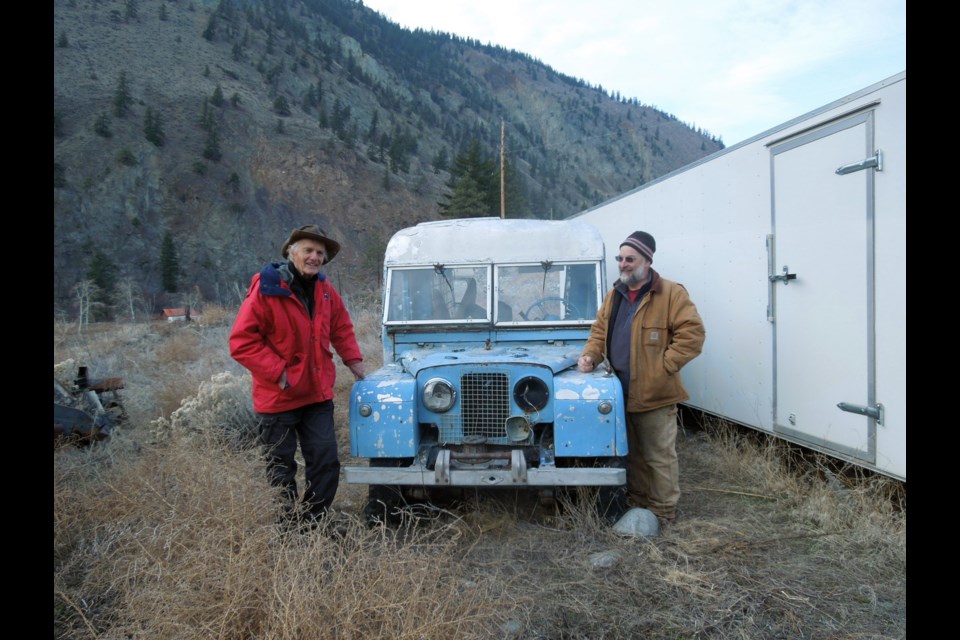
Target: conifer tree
[(153, 128), (211, 151), (474, 185), (121, 97), (103, 274), (281, 106), (206, 119), (101, 126), (169, 264), (59, 176)]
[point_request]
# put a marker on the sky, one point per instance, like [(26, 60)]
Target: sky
[(733, 68)]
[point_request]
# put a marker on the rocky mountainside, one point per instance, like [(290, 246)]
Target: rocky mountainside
[(191, 136)]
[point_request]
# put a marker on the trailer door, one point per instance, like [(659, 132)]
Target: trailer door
[(821, 287)]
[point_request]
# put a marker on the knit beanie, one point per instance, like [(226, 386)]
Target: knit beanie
[(642, 242)]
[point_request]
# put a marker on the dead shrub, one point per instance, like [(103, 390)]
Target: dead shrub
[(178, 537), (181, 347), (216, 316), (223, 405)]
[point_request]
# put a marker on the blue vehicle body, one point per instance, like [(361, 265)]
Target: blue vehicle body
[(484, 320)]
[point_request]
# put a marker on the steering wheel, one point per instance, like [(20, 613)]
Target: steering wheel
[(571, 309)]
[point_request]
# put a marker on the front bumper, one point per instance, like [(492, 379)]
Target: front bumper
[(518, 474)]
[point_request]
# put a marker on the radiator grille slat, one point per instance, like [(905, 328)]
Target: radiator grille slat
[(484, 408)]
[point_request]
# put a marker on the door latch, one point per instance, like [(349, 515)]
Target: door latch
[(785, 278)]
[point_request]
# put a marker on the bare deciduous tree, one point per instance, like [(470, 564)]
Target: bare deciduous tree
[(85, 295), (128, 297), (192, 300)]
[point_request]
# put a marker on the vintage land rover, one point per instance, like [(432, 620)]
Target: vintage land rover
[(483, 322)]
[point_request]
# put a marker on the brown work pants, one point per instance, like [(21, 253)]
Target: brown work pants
[(653, 472)]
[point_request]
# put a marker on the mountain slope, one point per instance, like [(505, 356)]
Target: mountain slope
[(277, 113)]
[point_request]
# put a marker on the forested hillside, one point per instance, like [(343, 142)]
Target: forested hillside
[(191, 136)]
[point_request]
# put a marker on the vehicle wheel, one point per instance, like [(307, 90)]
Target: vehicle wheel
[(610, 502), (385, 503)]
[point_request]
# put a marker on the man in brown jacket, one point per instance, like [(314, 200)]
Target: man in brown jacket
[(648, 329)]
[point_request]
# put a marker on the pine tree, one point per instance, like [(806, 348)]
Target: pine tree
[(101, 126), (517, 203), (169, 264), (374, 123), (63, 43), (206, 118), (103, 274), (339, 118), (468, 200), (59, 176), (440, 161), (153, 128), (281, 106), (211, 31), (217, 99), (474, 185), (211, 151), (121, 97)]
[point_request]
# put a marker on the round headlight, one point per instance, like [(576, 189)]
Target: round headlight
[(439, 395), (605, 407), (365, 410), (531, 394)]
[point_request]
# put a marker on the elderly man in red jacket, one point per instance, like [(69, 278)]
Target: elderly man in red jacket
[(283, 334)]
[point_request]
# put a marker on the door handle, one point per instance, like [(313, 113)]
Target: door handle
[(785, 278)]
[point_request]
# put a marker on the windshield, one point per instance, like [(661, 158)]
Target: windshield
[(542, 292)]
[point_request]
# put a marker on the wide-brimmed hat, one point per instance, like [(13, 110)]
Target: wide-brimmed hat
[(312, 232)]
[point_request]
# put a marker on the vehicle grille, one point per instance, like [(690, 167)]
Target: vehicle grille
[(484, 409)]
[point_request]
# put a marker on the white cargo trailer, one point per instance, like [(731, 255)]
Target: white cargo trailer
[(793, 246)]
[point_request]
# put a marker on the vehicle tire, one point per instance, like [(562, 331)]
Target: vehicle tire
[(385, 503), (610, 502)]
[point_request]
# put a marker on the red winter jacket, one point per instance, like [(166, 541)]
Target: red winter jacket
[(273, 332)]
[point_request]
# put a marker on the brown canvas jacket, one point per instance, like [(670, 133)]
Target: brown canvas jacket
[(671, 335)]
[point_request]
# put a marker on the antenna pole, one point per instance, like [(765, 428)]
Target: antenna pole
[(503, 177)]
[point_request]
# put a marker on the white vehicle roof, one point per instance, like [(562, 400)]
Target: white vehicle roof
[(486, 240)]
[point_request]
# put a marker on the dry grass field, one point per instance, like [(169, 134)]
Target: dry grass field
[(167, 530)]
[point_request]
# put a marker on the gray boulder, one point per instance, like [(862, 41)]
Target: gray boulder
[(638, 523)]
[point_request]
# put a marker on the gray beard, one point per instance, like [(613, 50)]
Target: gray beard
[(634, 278)]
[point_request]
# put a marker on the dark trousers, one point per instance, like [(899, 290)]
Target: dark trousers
[(312, 426)]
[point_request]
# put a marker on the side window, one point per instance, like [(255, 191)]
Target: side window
[(582, 289)]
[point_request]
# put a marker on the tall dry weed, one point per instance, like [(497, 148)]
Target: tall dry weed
[(182, 541), (178, 537)]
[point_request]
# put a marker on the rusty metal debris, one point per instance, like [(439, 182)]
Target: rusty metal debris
[(87, 411)]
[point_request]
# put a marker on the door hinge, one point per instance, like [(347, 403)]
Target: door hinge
[(875, 412), (875, 161)]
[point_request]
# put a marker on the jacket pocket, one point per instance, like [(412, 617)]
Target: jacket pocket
[(654, 336), (295, 369)]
